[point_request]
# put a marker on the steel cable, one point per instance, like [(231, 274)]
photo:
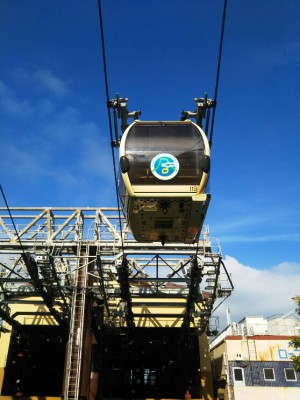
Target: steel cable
[(218, 73), (109, 116)]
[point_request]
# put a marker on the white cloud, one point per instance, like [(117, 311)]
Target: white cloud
[(242, 238), (45, 107), (260, 292), (287, 268), (24, 161), (280, 54), (11, 104), (47, 80), (255, 225), (241, 222), (15, 106), (43, 79), (60, 148)]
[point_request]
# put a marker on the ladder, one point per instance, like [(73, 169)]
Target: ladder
[(75, 344), (254, 363)]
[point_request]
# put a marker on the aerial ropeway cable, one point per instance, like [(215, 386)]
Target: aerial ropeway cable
[(109, 116), (218, 71)]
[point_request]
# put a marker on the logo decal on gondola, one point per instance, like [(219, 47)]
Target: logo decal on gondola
[(164, 166)]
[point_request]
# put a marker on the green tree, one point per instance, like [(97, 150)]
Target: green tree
[(295, 342)]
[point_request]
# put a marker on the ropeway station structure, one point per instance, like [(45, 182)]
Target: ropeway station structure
[(88, 312), (97, 306)]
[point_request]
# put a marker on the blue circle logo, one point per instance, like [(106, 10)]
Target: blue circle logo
[(164, 166)]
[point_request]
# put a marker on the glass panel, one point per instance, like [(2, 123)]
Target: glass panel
[(183, 141), (269, 374), (290, 374), (238, 374)]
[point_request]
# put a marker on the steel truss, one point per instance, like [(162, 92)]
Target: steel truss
[(135, 284)]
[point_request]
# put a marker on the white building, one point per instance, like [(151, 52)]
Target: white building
[(252, 359)]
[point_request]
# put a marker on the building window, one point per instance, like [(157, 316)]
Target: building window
[(238, 376), (269, 374), (290, 374)]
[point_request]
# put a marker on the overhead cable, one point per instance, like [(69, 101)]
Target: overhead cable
[(109, 115), (218, 72), (12, 220)]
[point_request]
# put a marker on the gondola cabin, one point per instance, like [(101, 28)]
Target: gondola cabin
[(164, 168)]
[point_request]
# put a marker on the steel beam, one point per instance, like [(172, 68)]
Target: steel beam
[(156, 273)]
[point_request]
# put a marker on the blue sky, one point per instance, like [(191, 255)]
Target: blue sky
[(160, 54)]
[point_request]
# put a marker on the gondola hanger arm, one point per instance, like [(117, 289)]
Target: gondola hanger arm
[(119, 106), (203, 105)]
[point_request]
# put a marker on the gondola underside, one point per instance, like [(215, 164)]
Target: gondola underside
[(167, 219)]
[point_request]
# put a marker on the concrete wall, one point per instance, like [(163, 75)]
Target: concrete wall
[(267, 348), (266, 393)]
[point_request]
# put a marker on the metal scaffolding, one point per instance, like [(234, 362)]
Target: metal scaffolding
[(45, 263), (63, 256)]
